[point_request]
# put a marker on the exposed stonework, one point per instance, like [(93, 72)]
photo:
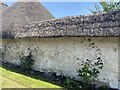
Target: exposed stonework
[(64, 55)]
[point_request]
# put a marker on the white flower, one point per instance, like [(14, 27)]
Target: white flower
[(88, 74)]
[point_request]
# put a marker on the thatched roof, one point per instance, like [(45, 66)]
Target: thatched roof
[(22, 13), (3, 7), (91, 25)]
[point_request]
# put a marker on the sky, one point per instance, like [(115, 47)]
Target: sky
[(63, 9)]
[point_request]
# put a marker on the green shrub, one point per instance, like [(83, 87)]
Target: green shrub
[(71, 83), (68, 82), (27, 62), (90, 71)]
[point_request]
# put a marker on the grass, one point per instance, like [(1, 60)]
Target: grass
[(16, 80)]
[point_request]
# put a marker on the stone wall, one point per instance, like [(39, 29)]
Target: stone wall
[(64, 55)]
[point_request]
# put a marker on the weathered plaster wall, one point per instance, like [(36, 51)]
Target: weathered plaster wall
[(64, 55), (119, 62)]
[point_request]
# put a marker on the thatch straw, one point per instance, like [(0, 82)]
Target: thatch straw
[(3, 7), (101, 25), (22, 13)]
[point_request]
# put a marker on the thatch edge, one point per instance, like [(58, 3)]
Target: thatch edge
[(101, 25)]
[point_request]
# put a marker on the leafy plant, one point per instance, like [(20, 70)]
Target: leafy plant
[(72, 83), (68, 82), (90, 71), (106, 6), (27, 62)]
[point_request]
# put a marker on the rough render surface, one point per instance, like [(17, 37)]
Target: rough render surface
[(64, 55), (119, 61)]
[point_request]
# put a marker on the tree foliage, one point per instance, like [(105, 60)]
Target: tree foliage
[(106, 6)]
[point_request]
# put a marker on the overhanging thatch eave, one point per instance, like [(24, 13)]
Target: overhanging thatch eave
[(101, 25)]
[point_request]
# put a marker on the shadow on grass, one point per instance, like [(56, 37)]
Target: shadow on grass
[(31, 73), (47, 77)]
